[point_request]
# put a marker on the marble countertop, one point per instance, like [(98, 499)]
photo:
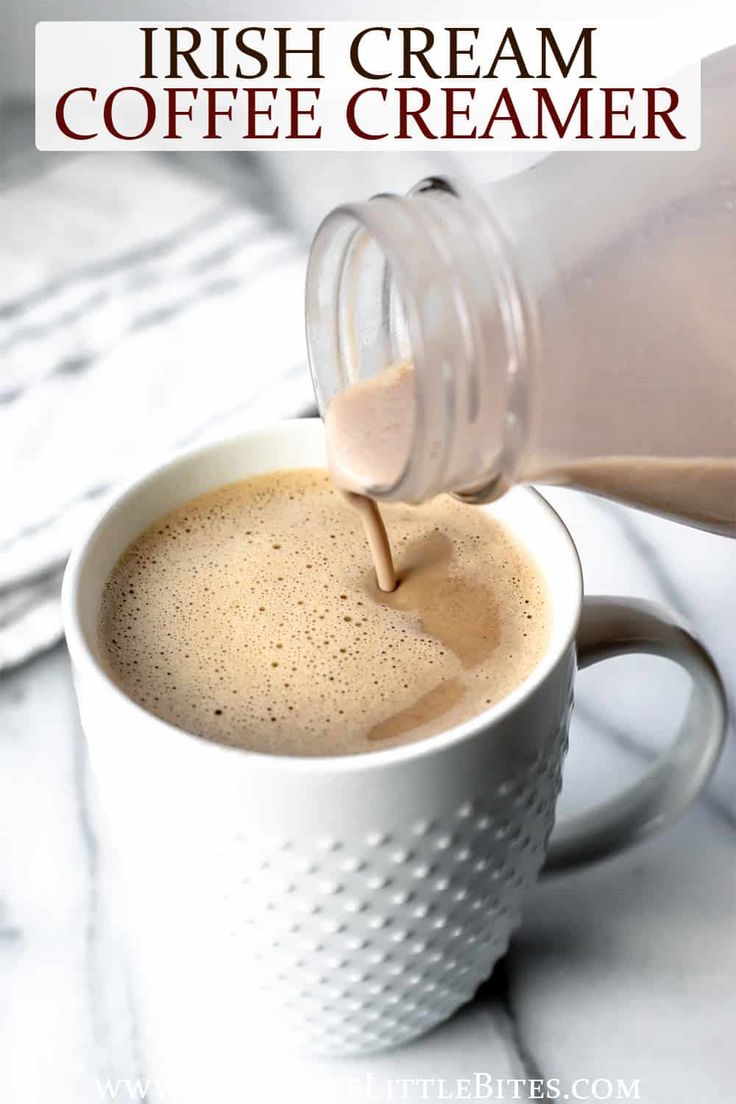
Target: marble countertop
[(623, 973)]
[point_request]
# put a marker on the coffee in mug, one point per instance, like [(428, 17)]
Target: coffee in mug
[(251, 616)]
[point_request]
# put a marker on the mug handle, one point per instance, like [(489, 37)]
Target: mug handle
[(622, 626)]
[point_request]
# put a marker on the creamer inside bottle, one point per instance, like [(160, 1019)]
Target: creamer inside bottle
[(572, 325)]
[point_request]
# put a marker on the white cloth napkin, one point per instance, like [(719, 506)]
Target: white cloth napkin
[(141, 309)]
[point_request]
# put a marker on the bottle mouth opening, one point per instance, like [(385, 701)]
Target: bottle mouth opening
[(359, 332), (413, 328)]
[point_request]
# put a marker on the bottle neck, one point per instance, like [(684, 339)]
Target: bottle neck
[(426, 278)]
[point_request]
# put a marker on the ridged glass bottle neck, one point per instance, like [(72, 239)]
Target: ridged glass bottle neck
[(426, 278)]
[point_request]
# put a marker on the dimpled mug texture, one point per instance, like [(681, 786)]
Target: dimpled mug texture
[(361, 943)]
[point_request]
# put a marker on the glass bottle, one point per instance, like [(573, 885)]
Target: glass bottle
[(574, 324)]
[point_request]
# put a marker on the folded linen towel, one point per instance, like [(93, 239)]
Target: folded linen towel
[(141, 309)]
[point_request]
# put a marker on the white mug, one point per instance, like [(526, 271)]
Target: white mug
[(350, 903)]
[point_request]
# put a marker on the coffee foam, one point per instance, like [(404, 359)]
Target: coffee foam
[(250, 616)]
